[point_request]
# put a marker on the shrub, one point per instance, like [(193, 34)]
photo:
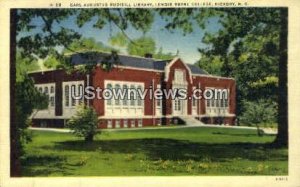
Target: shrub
[(84, 123)]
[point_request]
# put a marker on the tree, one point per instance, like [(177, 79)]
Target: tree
[(140, 46), (78, 45), (163, 56), (23, 66), (259, 113), (87, 44), (27, 98), (237, 26), (84, 123), (34, 45)]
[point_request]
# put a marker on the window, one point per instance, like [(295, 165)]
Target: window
[(67, 96), (46, 90), (117, 124), (73, 93), (139, 98), (125, 100), (158, 103), (80, 92), (208, 102), (109, 124), (117, 89), (217, 107), (109, 101), (226, 102), (49, 90), (132, 94), (158, 122), (52, 101), (140, 123), (132, 123), (125, 89), (222, 102), (179, 75), (194, 103), (125, 123)]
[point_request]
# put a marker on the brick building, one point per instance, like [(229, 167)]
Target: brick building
[(131, 72)]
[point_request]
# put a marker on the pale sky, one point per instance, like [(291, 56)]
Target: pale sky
[(170, 42)]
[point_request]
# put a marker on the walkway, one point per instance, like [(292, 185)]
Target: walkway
[(266, 130)]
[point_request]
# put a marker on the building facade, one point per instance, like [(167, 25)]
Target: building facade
[(135, 73)]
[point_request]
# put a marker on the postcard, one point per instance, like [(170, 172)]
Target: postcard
[(131, 93)]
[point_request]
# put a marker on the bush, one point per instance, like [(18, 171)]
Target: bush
[(84, 123)]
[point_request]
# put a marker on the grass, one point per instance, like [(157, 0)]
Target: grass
[(159, 152)]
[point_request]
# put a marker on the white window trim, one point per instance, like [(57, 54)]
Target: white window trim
[(70, 83), (48, 85), (121, 109), (214, 110)]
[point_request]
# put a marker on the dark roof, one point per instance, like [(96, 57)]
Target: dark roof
[(196, 70), (129, 61)]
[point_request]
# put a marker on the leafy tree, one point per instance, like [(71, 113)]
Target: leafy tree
[(267, 27), (79, 45), (35, 45), (163, 56), (84, 123), (141, 46), (23, 66), (51, 62), (28, 98), (87, 44), (259, 113), (119, 40), (211, 64)]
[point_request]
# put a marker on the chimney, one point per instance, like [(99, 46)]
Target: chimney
[(148, 55)]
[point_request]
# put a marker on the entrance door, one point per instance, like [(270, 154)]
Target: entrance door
[(178, 107)]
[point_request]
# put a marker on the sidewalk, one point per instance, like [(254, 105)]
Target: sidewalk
[(266, 130)]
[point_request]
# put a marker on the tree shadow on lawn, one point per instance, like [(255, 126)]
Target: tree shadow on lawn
[(171, 149), (43, 165)]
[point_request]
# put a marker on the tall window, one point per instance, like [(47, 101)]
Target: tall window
[(217, 106), (117, 90), (132, 93), (179, 75), (158, 101), (139, 98), (67, 96), (80, 92), (125, 89), (49, 90), (194, 103), (109, 101), (73, 92)]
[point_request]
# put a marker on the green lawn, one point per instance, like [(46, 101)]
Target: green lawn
[(185, 151)]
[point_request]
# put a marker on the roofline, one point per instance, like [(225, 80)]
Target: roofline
[(213, 76), (127, 55), (135, 68)]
